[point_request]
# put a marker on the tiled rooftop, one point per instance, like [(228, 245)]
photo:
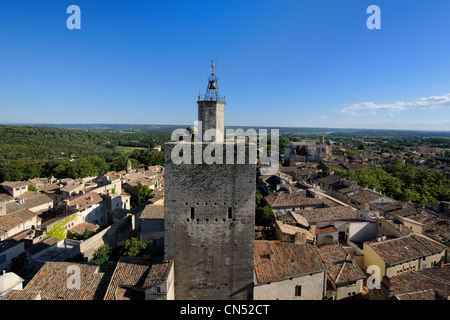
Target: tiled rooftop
[(399, 250), (326, 229), (276, 260), (415, 282), (158, 274), (328, 180), (291, 217), (341, 268), (52, 279), (293, 230), (152, 211), (22, 295), (31, 200), (286, 199), (83, 226), (12, 220), (129, 271), (135, 272), (365, 196), (329, 214), (85, 201)]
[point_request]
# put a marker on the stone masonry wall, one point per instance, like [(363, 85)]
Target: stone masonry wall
[(209, 228)]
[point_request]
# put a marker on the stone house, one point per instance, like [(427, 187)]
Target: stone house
[(151, 230), (327, 235), (307, 151), (292, 233), (288, 271), (136, 278), (89, 207), (345, 278), (292, 201), (405, 254), (368, 200), (9, 249), (17, 221), (9, 281), (323, 216), (34, 201), (15, 188), (54, 281), (427, 284)]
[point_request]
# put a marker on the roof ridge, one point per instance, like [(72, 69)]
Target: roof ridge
[(342, 268), (428, 277)]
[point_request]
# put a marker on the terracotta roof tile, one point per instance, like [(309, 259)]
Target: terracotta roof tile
[(436, 279), (341, 268), (152, 211), (51, 281), (286, 199), (276, 260), (410, 247), (329, 214)]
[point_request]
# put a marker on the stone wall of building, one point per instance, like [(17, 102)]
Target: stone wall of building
[(212, 115), (312, 288), (112, 235), (209, 228)]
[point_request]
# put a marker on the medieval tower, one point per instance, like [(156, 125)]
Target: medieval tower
[(210, 215)]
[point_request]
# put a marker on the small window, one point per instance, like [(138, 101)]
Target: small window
[(298, 290), (192, 212), (230, 213)]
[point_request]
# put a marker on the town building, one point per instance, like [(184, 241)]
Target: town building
[(151, 230), (56, 281), (345, 278), (405, 254), (136, 278), (9, 281), (288, 271), (307, 151), (292, 201), (426, 284), (15, 188)]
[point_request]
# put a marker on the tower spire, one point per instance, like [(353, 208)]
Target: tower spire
[(212, 91)]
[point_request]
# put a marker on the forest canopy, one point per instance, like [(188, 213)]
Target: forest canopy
[(28, 152), (402, 182)]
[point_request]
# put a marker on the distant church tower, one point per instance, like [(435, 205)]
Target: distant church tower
[(129, 166), (209, 216)]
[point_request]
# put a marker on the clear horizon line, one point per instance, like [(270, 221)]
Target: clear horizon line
[(247, 126)]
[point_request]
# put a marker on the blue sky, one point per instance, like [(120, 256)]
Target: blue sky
[(303, 63)]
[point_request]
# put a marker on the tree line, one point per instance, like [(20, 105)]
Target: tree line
[(402, 182), (35, 152)]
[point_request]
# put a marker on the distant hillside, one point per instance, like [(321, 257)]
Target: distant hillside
[(283, 130)]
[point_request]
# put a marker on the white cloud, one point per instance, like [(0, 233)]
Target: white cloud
[(359, 109), (354, 109), (433, 102)]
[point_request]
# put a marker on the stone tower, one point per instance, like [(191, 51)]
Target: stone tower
[(129, 166), (211, 109), (209, 216)]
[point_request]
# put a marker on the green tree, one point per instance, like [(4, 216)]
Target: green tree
[(102, 256), (264, 215), (133, 247), (142, 193)]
